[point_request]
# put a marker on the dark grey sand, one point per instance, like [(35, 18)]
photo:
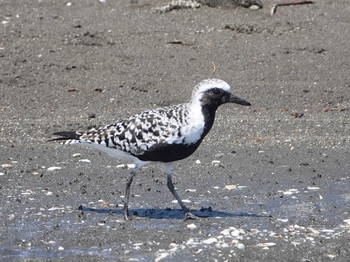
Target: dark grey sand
[(272, 179)]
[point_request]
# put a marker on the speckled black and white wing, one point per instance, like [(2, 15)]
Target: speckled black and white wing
[(137, 134)]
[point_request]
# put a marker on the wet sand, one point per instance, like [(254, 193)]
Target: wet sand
[(270, 181)]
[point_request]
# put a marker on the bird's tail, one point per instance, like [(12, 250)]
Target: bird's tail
[(66, 136)]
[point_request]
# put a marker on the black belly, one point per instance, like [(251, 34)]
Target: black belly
[(168, 152)]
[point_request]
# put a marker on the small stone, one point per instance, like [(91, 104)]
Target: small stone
[(76, 155), (224, 245), (295, 243), (290, 191), (198, 161), (53, 168), (240, 246), (290, 228), (127, 166), (55, 208), (130, 166), (347, 221), (327, 231), (230, 187), (314, 231), (210, 241), (183, 200), (1, 174), (331, 256), (6, 165), (91, 115), (254, 7), (198, 251), (254, 231), (215, 162), (219, 155), (60, 248), (27, 192), (190, 241), (235, 233), (101, 223), (191, 226), (84, 160), (313, 188), (266, 244), (310, 239), (225, 232)]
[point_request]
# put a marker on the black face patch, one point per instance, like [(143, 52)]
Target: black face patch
[(214, 97), (215, 91)]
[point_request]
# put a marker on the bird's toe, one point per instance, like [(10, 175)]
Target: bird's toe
[(190, 216)]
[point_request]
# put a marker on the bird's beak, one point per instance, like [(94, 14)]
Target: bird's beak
[(237, 100)]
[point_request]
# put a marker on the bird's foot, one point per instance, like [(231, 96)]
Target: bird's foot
[(190, 216)]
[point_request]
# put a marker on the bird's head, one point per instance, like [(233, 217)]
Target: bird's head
[(215, 92)]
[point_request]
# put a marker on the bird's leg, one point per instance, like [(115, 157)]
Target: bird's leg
[(185, 209), (127, 192)]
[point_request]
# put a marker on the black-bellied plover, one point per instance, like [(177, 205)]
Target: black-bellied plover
[(162, 135), (178, 4)]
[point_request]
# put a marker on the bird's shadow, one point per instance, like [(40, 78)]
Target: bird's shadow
[(168, 213)]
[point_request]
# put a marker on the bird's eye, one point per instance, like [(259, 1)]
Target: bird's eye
[(215, 91)]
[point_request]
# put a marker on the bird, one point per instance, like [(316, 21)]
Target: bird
[(179, 4), (164, 135)]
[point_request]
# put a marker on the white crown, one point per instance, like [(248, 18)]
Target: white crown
[(207, 84)]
